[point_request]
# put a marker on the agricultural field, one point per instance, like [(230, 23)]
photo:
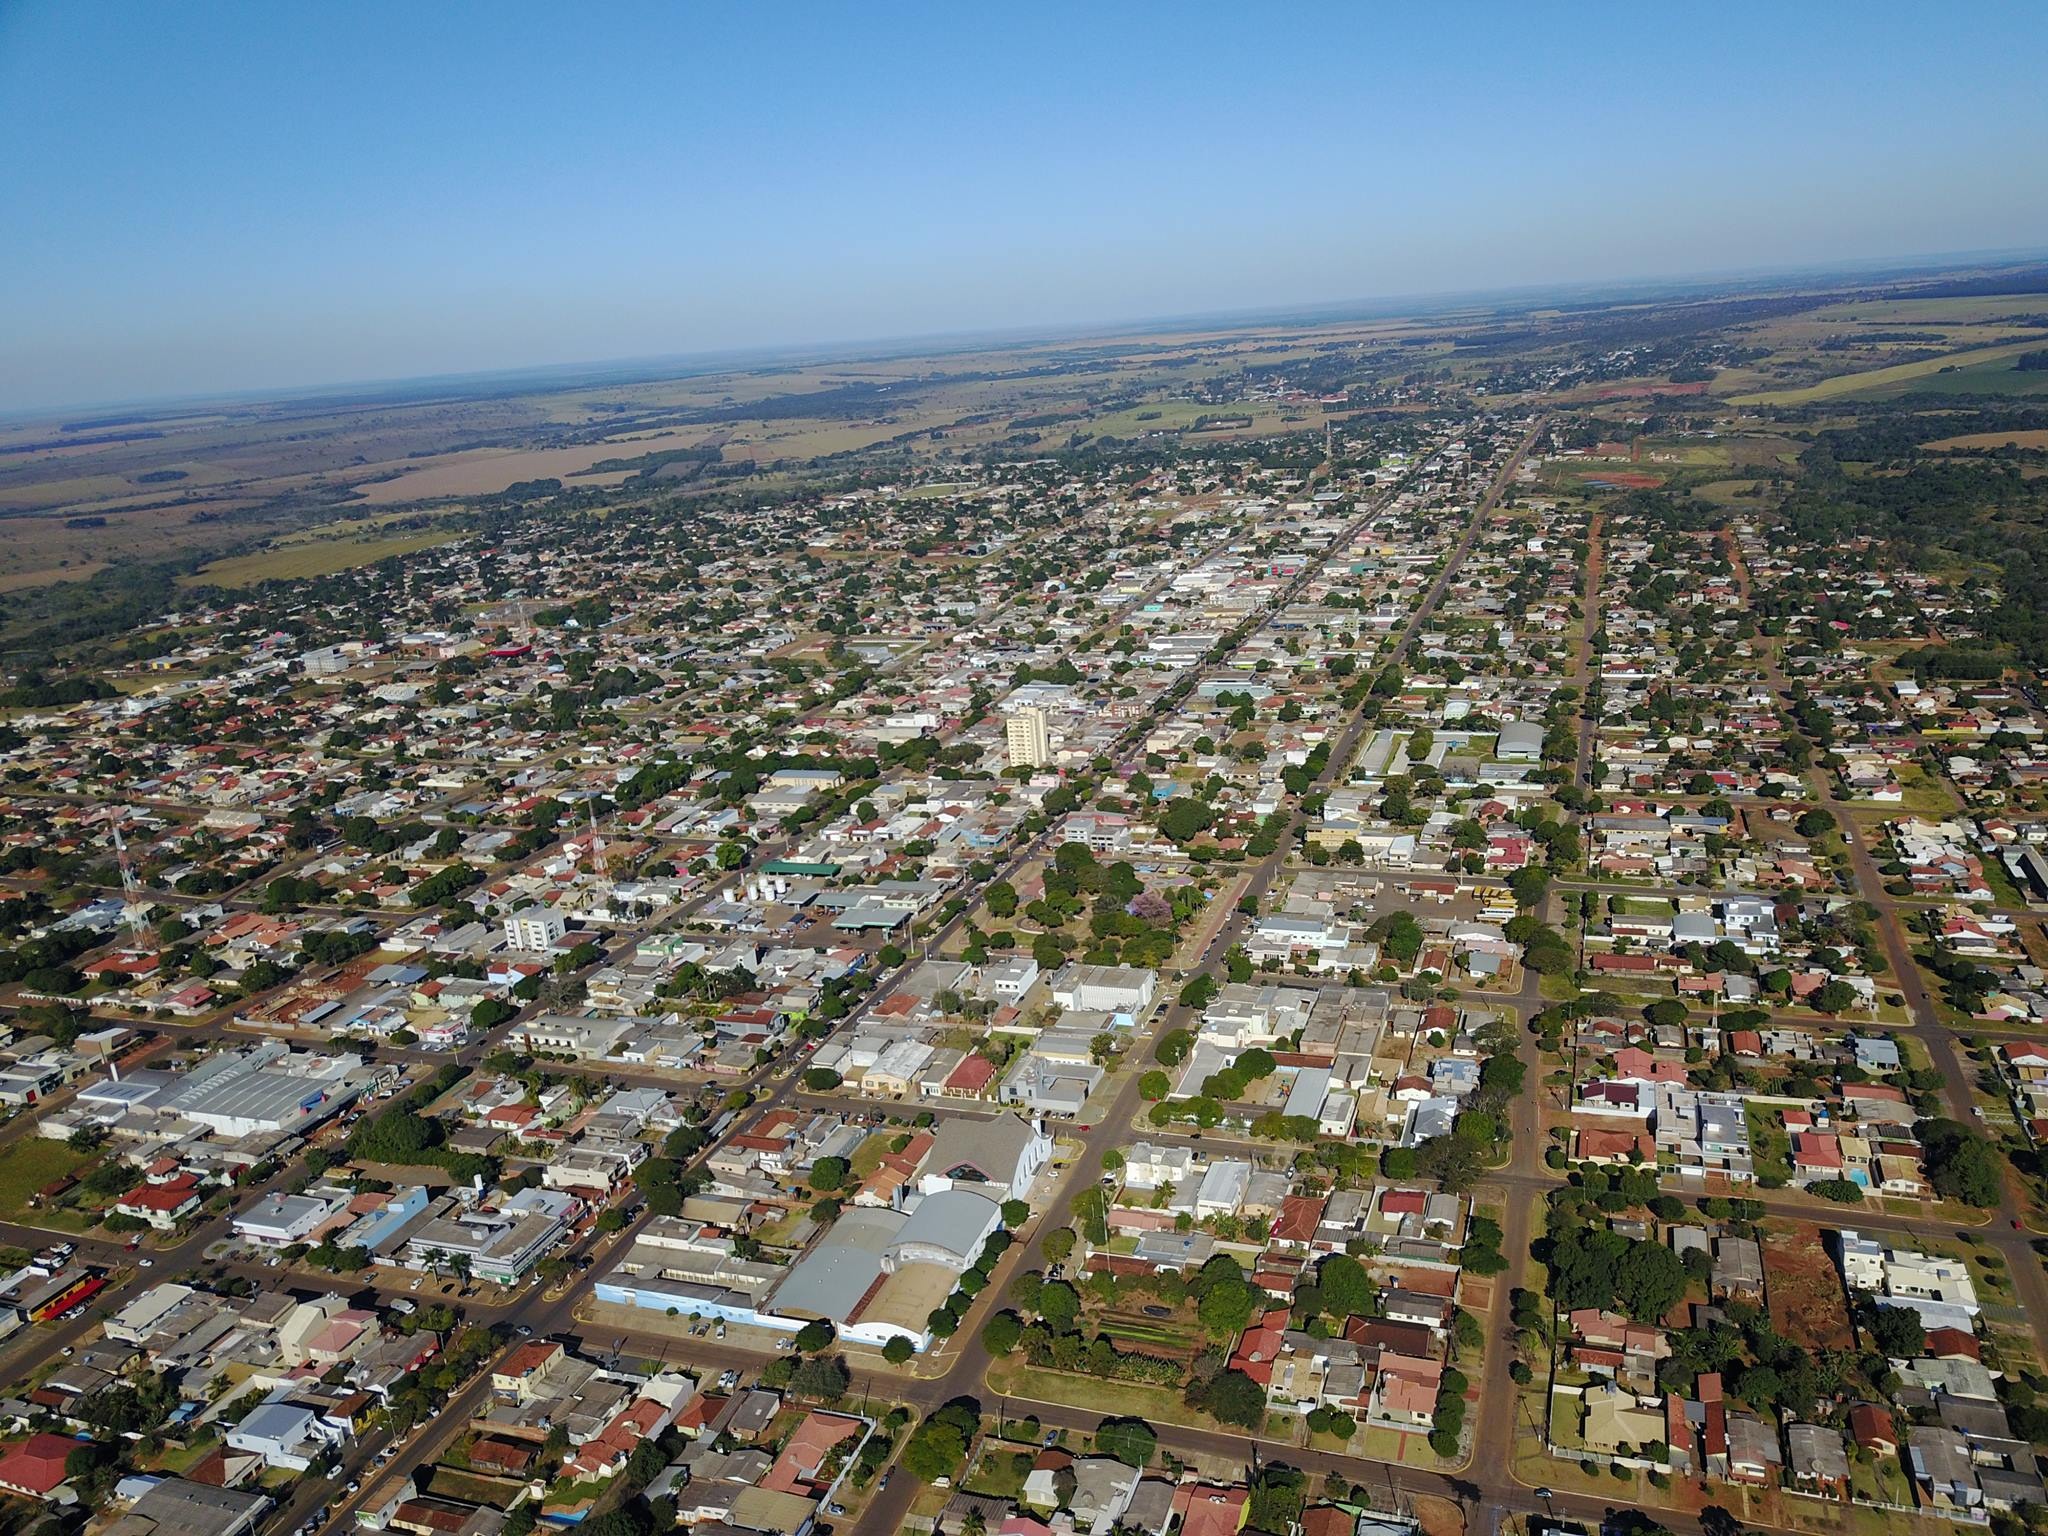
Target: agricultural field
[(317, 557), (2018, 438), (39, 549), (1966, 372)]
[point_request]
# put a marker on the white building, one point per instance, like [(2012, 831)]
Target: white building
[(1111, 989), (534, 928), (1028, 735), (278, 1221)]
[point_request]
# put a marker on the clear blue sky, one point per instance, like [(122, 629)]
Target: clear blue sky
[(201, 196)]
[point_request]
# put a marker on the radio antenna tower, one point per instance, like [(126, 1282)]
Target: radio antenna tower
[(131, 888)]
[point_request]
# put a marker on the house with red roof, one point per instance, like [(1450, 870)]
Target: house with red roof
[(607, 1452), (1633, 1064), (1260, 1345), (1301, 1216), (1953, 1344), (971, 1079), (519, 1119), (804, 1455), (163, 1205), (1609, 1147), (1713, 1424), (1871, 1428), (1816, 1155), (1404, 1392), (125, 966), (1207, 1510), (35, 1467)]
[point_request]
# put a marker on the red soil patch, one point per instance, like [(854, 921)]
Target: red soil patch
[(1807, 1303)]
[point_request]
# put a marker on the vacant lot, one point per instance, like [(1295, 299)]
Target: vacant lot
[(1807, 1303), (31, 1164)]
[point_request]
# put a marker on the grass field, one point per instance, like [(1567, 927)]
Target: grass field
[(999, 1471), (1769, 1145), (1162, 1405), (1993, 440), (1901, 377), (315, 558), (31, 1164), (1991, 378)]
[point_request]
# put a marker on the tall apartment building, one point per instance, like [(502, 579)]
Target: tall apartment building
[(534, 927), (1029, 737)]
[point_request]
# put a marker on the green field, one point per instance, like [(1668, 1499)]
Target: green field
[(999, 1471), (1982, 379), (1022, 1383), (29, 1165), (1769, 1145), (1902, 378), (317, 558)]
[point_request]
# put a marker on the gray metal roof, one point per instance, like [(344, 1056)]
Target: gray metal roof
[(954, 1221)]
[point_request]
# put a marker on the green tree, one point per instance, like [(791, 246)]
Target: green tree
[(1231, 1397), (1002, 1333), (1131, 1441), (1059, 1304), (1226, 1308), (1960, 1165)]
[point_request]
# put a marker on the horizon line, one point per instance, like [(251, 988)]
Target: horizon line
[(652, 366)]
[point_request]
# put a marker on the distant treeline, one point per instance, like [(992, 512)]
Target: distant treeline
[(2030, 280), (1901, 435), (34, 691), (46, 444), (645, 465), (1880, 339)]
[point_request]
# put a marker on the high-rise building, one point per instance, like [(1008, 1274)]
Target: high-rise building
[(1029, 738), (534, 927)]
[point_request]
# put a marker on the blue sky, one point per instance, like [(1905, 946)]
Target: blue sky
[(203, 197)]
